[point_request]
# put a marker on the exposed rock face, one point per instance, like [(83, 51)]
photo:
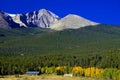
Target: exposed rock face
[(42, 18), (3, 23), (71, 22), (6, 21)]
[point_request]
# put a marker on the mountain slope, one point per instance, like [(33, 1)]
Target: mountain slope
[(3, 23), (72, 22), (86, 40), (6, 21)]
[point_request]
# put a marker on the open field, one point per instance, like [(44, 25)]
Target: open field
[(45, 77)]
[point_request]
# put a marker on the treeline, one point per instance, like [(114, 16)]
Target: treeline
[(107, 73), (21, 64)]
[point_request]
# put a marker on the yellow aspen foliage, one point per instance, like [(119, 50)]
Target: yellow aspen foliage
[(77, 71), (98, 71), (58, 68), (92, 72), (87, 72)]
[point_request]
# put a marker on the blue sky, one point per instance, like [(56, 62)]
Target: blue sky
[(102, 11)]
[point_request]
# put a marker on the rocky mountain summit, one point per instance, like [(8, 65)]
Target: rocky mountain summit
[(72, 21), (42, 18)]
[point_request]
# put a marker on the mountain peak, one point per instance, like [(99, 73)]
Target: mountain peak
[(72, 21), (75, 16), (72, 15), (47, 12), (42, 18), (43, 10)]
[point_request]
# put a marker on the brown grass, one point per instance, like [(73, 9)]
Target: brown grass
[(45, 77)]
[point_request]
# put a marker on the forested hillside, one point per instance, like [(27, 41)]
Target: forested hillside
[(30, 49), (88, 40)]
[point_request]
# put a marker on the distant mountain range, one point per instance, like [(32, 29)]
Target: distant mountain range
[(42, 19)]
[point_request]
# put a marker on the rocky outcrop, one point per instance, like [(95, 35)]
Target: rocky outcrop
[(6, 21)]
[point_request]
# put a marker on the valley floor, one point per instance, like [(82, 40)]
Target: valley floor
[(45, 77)]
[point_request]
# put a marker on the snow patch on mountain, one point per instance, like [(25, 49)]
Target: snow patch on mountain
[(17, 19), (11, 15)]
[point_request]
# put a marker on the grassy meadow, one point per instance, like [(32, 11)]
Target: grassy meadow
[(46, 77)]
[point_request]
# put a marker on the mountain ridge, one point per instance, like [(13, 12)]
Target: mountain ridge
[(46, 19), (72, 21), (6, 21)]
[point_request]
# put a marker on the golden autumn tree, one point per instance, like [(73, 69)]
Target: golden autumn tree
[(77, 71), (87, 72), (92, 72)]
